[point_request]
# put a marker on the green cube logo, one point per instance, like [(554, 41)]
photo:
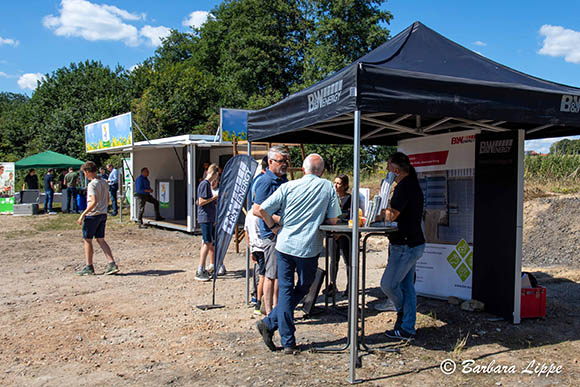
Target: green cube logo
[(469, 261), (461, 259), (454, 259), (462, 248), (463, 272)]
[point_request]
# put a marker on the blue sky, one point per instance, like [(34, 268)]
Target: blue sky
[(541, 38)]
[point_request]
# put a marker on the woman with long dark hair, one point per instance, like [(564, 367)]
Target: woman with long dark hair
[(342, 245), (406, 245)]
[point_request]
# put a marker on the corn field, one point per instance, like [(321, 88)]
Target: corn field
[(552, 167)]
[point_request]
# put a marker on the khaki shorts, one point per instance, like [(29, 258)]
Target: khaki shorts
[(270, 258)]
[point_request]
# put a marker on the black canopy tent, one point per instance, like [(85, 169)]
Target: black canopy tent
[(420, 84), (416, 84)]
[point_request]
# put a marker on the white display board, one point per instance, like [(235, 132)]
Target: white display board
[(444, 164)]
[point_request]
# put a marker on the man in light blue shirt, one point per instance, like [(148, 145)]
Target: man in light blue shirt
[(113, 181), (304, 205)]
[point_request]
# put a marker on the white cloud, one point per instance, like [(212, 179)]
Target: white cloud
[(196, 19), (29, 80), (480, 43), (81, 18), (154, 34), (8, 42), (3, 75), (560, 41)]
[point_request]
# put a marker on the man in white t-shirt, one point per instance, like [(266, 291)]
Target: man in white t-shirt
[(252, 229), (94, 219)]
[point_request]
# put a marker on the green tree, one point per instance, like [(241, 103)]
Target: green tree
[(72, 97), (178, 99), (341, 32), (565, 147), (14, 133)]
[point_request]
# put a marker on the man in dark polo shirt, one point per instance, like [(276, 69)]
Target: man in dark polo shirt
[(274, 177)]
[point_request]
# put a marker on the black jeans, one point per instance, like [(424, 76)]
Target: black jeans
[(343, 246), (141, 200)]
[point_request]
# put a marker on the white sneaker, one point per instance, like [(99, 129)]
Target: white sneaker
[(386, 306), (209, 268), (222, 270)]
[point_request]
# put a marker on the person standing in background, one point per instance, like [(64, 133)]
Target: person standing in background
[(113, 181), (102, 174), (264, 187), (48, 191), (304, 205), (406, 246), (206, 216), (30, 181), (71, 180), (143, 194)]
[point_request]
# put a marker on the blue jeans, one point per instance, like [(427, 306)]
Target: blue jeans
[(397, 282), (113, 188), (48, 196), (71, 200), (281, 318)]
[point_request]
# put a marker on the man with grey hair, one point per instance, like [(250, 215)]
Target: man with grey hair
[(274, 177), (305, 204)]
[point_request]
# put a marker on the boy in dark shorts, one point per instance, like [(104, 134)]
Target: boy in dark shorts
[(94, 219)]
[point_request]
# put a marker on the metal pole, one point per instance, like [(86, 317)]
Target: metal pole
[(120, 182), (519, 227), (249, 208), (354, 252)]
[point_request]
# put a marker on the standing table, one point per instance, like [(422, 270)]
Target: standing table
[(354, 290)]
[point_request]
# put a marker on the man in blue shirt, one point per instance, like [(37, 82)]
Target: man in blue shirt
[(143, 194), (113, 181), (304, 205), (48, 191), (264, 187)]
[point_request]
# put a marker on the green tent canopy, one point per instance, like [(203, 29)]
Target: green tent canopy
[(48, 159)]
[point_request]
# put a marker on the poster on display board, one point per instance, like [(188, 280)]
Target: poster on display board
[(111, 133), (445, 169), (6, 188), (233, 124), (164, 194), (127, 180)]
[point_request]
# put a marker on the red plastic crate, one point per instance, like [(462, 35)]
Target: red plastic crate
[(533, 302)]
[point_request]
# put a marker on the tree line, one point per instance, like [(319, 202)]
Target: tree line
[(249, 54)]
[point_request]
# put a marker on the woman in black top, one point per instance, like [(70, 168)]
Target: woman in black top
[(342, 245), (406, 245)]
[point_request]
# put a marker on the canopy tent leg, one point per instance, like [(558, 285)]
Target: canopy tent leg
[(190, 186), (519, 228), (249, 207), (353, 302)]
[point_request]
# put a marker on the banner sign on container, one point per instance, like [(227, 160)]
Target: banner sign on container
[(6, 188), (111, 133), (234, 124), (233, 191), (164, 194), (445, 168)]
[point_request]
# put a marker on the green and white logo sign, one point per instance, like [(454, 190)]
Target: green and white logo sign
[(461, 260), (164, 194)]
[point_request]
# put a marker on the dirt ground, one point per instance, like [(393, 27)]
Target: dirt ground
[(142, 327)]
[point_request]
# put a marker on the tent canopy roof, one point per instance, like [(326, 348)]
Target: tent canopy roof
[(416, 84), (48, 159)]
